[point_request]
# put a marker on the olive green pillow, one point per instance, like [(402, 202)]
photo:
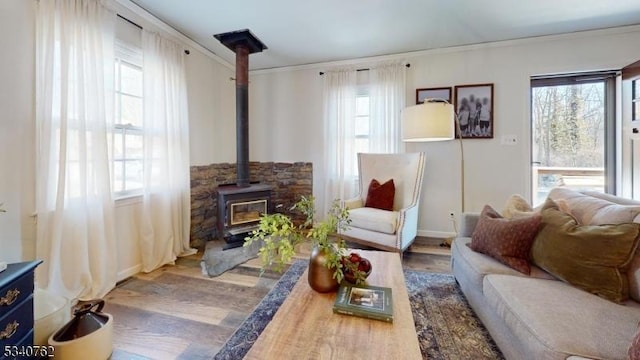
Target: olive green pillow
[(594, 258)]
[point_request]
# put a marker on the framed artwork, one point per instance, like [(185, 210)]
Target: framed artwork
[(433, 93), (474, 108)]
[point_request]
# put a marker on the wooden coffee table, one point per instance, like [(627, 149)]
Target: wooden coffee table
[(305, 326)]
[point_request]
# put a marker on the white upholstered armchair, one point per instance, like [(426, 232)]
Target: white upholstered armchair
[(391, 230)]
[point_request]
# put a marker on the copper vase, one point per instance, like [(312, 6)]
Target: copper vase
[(320, 276)]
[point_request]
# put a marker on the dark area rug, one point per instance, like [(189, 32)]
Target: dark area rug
[(446, 325), (447, 328)]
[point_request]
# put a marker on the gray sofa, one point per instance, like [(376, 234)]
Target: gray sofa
[(538, 316)]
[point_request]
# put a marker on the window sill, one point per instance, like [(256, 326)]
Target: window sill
[(128, 199)]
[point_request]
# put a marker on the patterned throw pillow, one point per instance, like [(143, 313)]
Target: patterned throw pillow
[(506, 240), (380, 196)]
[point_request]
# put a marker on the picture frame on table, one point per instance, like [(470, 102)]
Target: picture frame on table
[(443, 93), (474, 108)]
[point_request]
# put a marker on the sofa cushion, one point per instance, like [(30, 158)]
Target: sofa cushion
[(611, 198), (615, 214), (380, 196), (593, 258), (591, 210), (374, 219), (506, 240), (555, 319), (477, 265)]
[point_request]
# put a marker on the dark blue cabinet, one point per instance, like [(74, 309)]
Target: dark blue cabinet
[(16, 305)]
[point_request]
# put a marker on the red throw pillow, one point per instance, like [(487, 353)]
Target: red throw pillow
[(381, 196), (506, 240)]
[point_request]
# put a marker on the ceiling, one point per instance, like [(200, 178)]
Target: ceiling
[(314, 31)]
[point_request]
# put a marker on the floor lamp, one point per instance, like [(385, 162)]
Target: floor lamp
[(434, 120)]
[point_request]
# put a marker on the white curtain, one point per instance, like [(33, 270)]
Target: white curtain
[(166, 205), (74, 103), (387, 99), (339, 98)]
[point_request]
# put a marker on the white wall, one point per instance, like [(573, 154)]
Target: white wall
[(287, 105), (17, 144), (212, 110), (285, 120)]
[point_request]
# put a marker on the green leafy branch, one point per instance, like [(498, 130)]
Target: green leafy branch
[(280, 235)]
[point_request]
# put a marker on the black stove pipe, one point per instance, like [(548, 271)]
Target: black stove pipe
[(242, 115), (243, 43)]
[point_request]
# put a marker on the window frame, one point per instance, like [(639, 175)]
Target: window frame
[(131, 56), (608, 78), (362, 93)]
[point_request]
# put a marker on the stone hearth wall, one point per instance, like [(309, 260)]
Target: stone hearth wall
[(289, 181)]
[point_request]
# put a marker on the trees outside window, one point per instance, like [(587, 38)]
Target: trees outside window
[(572, 133)]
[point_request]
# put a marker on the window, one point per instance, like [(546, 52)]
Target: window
[(361, 126), (127, 142), (362, 123), (573, 133)]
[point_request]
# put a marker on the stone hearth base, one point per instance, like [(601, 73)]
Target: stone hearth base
[(216, 261)]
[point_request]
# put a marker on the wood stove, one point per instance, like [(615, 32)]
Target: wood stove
[(240, 205), (239, 211)]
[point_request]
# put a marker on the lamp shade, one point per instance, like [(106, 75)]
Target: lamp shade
[(431, 121)]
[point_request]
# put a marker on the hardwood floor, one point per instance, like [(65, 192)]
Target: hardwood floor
[(176, 312)]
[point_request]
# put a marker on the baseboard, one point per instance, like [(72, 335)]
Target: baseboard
[(436, 234), (127, 273)]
